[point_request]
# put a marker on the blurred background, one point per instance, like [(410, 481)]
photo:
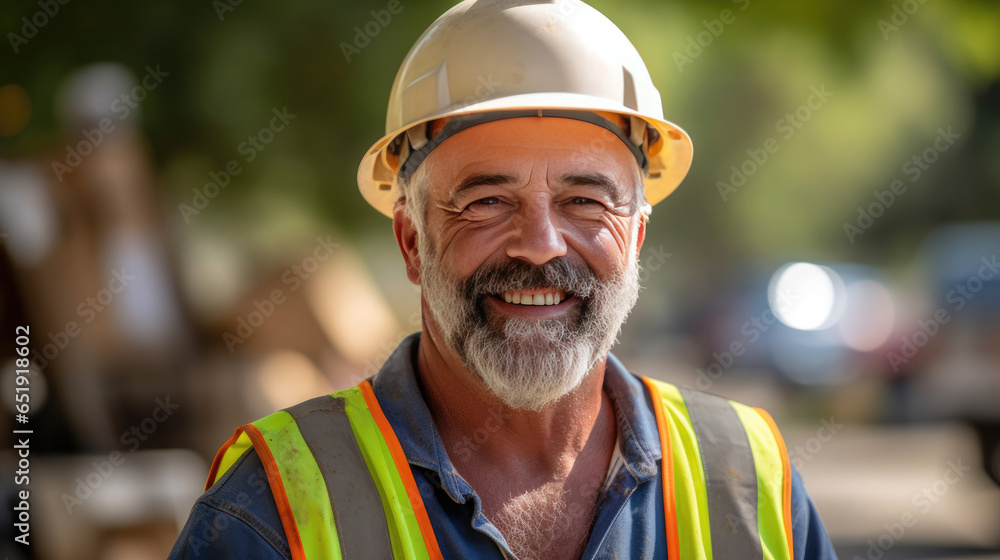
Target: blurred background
[(181, 229)]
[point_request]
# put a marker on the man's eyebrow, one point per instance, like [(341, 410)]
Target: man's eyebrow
[(480, 179), (597, 179)]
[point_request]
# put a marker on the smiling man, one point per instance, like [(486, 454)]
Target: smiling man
[(525, 148)]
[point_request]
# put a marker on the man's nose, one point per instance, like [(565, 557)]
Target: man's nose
[(538, 238)]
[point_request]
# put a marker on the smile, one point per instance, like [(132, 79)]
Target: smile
[(537, 296)]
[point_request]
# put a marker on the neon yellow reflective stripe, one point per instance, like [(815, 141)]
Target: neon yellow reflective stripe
[(770, 483), (230, 456), (304, 485), (404, 529), (690, 500)]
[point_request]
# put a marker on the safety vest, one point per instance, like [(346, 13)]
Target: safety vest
[(338, 475)]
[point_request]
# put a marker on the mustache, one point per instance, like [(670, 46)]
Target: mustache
[(558, 273)]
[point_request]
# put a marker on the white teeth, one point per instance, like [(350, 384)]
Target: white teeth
[(549, 298)]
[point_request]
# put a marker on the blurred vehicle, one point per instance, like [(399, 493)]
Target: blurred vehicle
[(932, 350), (956, 372), (808, 324)]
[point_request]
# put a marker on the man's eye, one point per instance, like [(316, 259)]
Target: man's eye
[(583, 200), (488, 201)]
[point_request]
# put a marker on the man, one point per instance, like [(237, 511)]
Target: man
[(525, 146)]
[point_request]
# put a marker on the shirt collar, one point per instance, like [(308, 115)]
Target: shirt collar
[(398, 393)]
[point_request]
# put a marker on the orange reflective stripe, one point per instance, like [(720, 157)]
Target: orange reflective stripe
[(786, 477), (403, 467), (278, 489), (214, 471), (667, 467)]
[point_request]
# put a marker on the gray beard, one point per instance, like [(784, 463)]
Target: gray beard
[(529, 363)]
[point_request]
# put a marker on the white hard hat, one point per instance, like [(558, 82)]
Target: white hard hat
[(484, 60)]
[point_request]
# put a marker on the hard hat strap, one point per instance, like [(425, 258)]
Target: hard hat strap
[(459, 123)]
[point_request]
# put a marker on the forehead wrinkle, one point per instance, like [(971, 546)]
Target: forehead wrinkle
[(526, 149)]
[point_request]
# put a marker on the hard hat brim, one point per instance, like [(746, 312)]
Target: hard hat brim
[(668, 165)]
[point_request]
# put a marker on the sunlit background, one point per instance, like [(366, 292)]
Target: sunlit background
[(181, 229)]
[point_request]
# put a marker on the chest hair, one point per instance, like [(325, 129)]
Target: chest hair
[(547, 522)]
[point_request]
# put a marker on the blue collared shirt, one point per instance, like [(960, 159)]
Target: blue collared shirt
[(237, 517)]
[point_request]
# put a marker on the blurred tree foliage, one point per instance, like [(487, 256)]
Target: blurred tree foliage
[(894, 77)]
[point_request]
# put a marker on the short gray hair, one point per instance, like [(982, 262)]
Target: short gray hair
[(413, 195)]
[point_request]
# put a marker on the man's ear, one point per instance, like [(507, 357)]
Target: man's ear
[(641, 233), (406, 237)]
